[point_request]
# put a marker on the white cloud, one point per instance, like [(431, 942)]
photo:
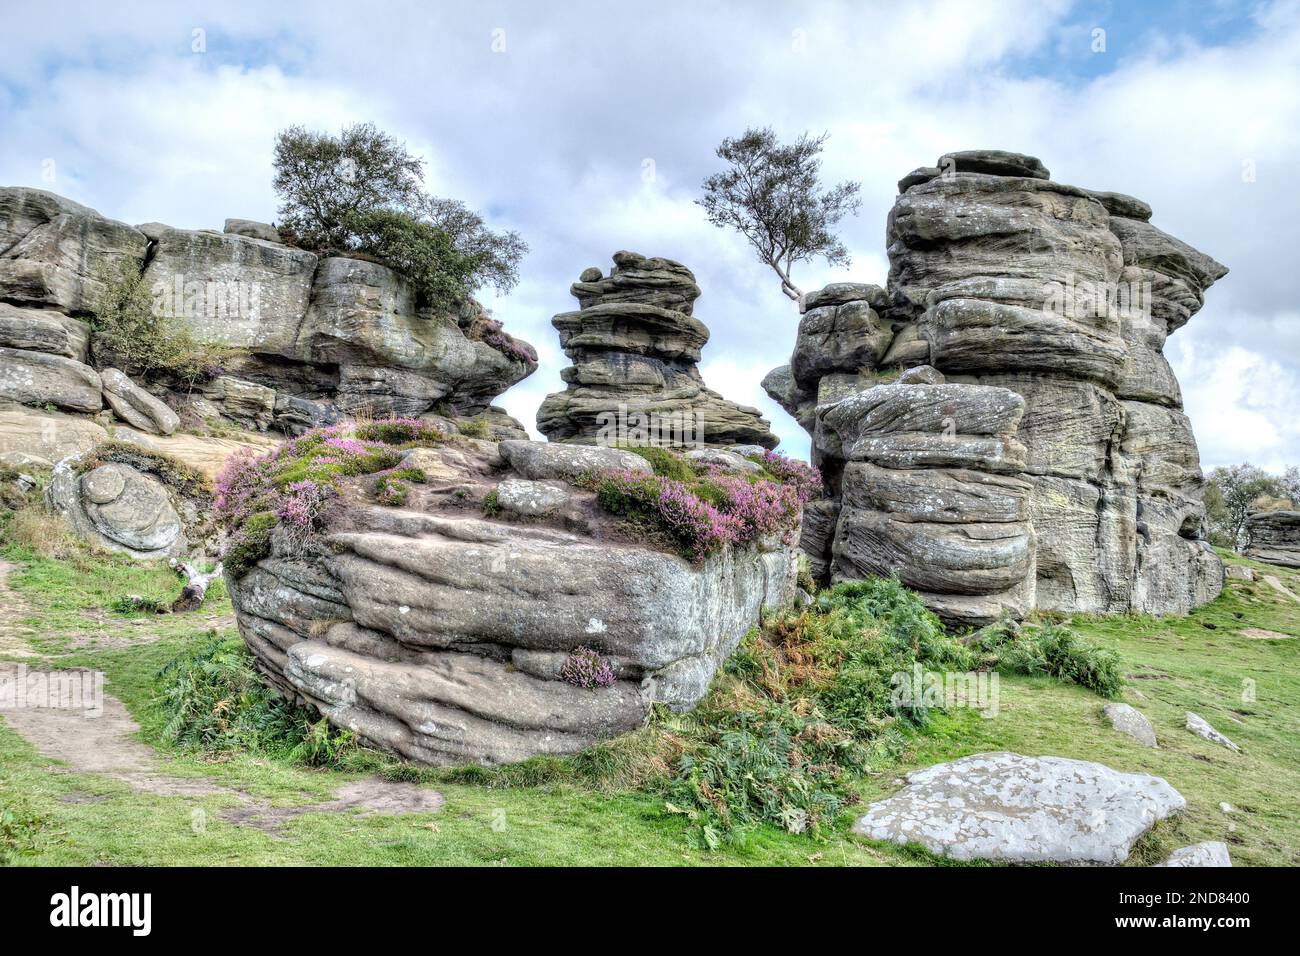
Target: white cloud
[(549, 137)]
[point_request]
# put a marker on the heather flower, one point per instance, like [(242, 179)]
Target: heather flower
[(585, 667), (806, 480)]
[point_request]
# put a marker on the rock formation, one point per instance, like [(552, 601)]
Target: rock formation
[(1016, 809), (130, 501), (635, 344), (1001, 277), (312, 337), (1273, 532), (444, 628)]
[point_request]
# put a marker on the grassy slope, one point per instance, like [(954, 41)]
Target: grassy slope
[(1179, 664)]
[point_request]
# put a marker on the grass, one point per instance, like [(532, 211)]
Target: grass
[(544, 813)]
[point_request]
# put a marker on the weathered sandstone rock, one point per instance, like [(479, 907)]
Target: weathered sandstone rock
[(118, 507), (44, 330), (1129, 720), (41, 378), (135, 406), (441, 634), (52, 250), (1273, 533), (1209, 853), (1015, 809), (635, 345), (1001, 277)]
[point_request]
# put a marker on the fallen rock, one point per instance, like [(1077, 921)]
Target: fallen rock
[(1210, 853), (135, 406), (1010, 808), (1129, 720), (1201, 727)]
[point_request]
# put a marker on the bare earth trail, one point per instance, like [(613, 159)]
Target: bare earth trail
[(105, 743)]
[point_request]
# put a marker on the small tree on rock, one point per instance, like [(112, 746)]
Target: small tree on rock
[(772, 195), (361, 191)]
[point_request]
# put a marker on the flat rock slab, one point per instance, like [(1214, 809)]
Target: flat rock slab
[(1210, 853), (1201, 727), (1129, 720), (1016, 809)]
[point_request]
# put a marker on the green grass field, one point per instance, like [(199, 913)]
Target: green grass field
[(1248, 687)]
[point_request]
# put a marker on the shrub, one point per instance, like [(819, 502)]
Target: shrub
[(291, 488), (587, 668), (806, 479), (1051, 650), (215, 702), (698, 514), (130, 333), (477, 427)]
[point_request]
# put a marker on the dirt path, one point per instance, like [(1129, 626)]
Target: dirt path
[(105, 744), (12, 610)]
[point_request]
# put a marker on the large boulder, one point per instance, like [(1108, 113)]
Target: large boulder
[(44, 330), (635, 345), (42, 378), (46, 436), (440, 629), (1014, 809), (135, 406), (53, 250)]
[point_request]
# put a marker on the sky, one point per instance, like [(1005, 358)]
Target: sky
[(588, 128)]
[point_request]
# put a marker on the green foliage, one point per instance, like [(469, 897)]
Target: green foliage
[(1052, 650), (491, 504), (1229, 492), (215, 702), (130, 333), (401, 432), (362, 191), (23, 833), (138, 604), (665, 463), (171, 471), (771, 194), (477, 427)]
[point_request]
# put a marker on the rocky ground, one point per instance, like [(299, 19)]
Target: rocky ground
[(118, 795)]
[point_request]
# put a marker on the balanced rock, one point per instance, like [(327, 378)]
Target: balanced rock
[(1273, 532), (635, 346), (1015, 809), (1001, 277)]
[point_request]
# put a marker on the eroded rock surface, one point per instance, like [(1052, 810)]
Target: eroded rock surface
[(1273, 532), (439, 629), (635, 346), (119, 507), (1001, 277), (1016, 809)]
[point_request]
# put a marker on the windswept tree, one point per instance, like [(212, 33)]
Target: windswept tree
[(772, 195), (362, 191)]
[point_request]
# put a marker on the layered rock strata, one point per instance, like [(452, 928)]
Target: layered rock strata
[(635, 346), (442, 633), (1273, 532), (1001, 277)]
